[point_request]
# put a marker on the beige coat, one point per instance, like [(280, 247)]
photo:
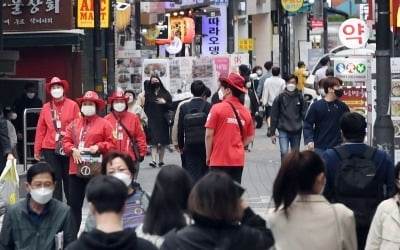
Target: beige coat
[(384, 232), (312, 225)]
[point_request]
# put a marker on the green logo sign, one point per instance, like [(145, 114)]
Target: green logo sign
[(361, 68)]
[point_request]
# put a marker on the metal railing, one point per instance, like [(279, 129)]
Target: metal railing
[(25, 140)]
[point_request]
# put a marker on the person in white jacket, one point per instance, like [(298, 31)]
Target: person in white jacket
[(384, 232), (135, 108)]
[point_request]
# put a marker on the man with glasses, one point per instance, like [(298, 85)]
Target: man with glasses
[(39, 221), (321, 125)]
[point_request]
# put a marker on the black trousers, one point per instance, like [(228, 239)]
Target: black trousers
[(234, 172), (195, 161), (60, 165), (77, 188)]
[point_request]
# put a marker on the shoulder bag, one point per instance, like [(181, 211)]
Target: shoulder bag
[(58, 138), (238, 120)]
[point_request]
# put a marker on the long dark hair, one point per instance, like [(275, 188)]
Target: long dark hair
[(296, 176), (150, 96), (168, 201)]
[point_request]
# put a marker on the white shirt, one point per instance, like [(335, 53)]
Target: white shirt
[(273, 86), (320, 74)]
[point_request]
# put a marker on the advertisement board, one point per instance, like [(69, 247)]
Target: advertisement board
[(85, 13)]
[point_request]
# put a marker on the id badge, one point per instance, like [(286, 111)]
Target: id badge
[(57, 137), (58, 124), (120, 136), (81, 144)]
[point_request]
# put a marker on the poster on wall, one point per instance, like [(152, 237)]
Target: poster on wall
[(352, 71), (203, 69), (128, 70), (180, 75), (395, 104), (158, 67)]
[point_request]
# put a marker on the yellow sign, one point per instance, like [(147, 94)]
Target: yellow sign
[(246, 44), (85, 13), (292, 5)]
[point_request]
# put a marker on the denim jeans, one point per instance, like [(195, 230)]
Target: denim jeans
[(286, 138)]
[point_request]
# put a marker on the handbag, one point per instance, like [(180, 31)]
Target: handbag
[(169, 117), (134, 145), (91, 164), (59, 150), (9, 183)]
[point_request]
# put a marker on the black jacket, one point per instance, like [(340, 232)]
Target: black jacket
[(208, 234), (288, 112), (122, 240), (20, 105)]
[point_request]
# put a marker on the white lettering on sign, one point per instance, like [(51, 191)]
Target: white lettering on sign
[(354, 33)]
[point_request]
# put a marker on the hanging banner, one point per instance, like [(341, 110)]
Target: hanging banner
[(85, 13), (214, 41)]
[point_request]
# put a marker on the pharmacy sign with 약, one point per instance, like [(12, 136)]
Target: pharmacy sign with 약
[(85, 13), (354, 33)]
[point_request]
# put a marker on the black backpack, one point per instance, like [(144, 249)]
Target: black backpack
[(357, 185), (193, 125)]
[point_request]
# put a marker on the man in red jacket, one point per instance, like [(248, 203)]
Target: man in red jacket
[(92, 134), (126, 126), (53, 120)]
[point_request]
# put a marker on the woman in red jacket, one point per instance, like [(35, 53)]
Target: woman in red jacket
[(53, 120), (123, 121), (91, 133)]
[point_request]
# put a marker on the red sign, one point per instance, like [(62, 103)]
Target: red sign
[(33, 15), (317, 23)]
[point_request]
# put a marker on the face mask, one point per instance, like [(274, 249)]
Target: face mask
[(88, 110), (248, 85), (338, 92), (155, 85), (321, 92), (291, 87), (41, 195), (220, 94), (57, 93), (13, 116), (119, 107), (259, 72), (125, 178), (30, 95)]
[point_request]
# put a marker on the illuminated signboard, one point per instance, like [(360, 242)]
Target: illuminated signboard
[(85, 13), (214, 33)]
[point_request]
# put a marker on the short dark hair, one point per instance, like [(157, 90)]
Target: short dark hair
[(131, 92), (301, 64), (268, 65), (197, 88), (215, 196), (235, 92), (207, 92), (106, 193), (276, 71), (108, 158), (290, 77), (168, 201), (296, 176), (325, 60), (353, 126), (329, 72), (257, 67), (30, 85), (244, 70), (330, 82), (40, 168)]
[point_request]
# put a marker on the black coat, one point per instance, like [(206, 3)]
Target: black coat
[(20, 105), (5, 147), (252, 234)]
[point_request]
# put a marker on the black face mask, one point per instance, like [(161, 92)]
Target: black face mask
[(338, 92), (155, 85)]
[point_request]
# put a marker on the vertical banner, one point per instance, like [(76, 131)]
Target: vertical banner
[(214, 41)]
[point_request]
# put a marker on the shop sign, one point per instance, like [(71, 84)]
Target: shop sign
[(246, 44), (85, 13), (214, 34), (354, 33), (292, 5), (36, 15)]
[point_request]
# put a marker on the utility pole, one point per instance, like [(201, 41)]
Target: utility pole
[(230, 31), (138, 29), (1, 26), (284, 44), (383, 127), (98, 82), (325, 20), (110, 50)]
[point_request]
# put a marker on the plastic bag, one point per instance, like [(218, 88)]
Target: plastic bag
[(9, 183)]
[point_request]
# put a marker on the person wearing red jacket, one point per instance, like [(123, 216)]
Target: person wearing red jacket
[(90, 133), (53, 120), (121, 121)]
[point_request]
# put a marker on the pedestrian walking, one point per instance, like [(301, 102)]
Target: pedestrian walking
[(135, 108), (222, 220), (321, 125), (257, 70), (287, 115), (267, 74), (302, 214), (358, 175), (106, 196), (167, 209), (385, 228), (157, 104), (121, 166), (38, 222), (273, 86), (191, 131), (54, 118), (10, 115), (85, 136), (301, 73), (321, 72), (5, 146), (128, 134), (229, 128)]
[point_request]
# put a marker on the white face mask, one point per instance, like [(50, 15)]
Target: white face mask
[(119, 106), (88, 110), (291, 87), (259, 72), (125, 178), (57, 93), (321, 92), (248, 85), (13, 116), (30, 95), (220, 94), (41, 195)]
